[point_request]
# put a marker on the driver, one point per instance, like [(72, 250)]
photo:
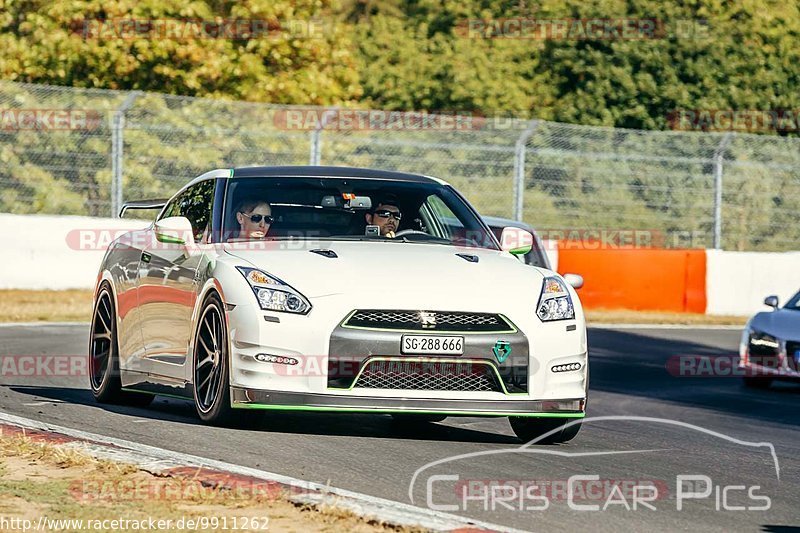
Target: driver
[(254, 218), (386, 215)]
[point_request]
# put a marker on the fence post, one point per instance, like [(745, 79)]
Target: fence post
[(117, 142), (313, 156), (719, 158), (519, 168), (315, 151)]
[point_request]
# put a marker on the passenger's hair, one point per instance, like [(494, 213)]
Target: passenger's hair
[(246, 206)]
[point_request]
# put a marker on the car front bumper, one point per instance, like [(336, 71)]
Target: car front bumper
[(294, 401), (326, 359)]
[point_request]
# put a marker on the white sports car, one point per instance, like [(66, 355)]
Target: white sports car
[(336, 289)]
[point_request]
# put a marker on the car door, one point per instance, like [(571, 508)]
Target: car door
[(168, 284)]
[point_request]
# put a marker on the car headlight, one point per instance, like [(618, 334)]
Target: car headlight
[(273, 294), (555, 303), (760, 343)]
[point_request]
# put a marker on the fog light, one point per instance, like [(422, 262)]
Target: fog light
[(567, 368), (279, 359)]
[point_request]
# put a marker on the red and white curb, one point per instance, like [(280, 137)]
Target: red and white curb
[(220, 474)]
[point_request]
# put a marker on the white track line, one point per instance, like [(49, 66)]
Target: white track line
[(155, 460)]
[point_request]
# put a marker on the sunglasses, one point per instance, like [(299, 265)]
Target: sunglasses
[(385, 213), (255, 219)]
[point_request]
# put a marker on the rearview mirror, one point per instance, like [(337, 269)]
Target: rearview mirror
[(771, 301), (174, 230), (516, 241), (358, 202)]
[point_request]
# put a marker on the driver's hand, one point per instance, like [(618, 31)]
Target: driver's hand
[(389, 235)]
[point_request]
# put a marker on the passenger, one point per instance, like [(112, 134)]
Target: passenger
[(255, 218)]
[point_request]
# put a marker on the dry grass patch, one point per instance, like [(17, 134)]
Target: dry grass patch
[(45, 306), (623, 316), (62, 482)]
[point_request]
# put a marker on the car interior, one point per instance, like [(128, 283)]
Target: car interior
[(312, 208)]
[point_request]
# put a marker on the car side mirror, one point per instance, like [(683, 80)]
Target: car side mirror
[(771, 301), (516, 241), (575, 280), (174, 230)]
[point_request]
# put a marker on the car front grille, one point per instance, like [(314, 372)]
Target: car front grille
[(763, 350), (793, 355), (439, 321), (432, 376)]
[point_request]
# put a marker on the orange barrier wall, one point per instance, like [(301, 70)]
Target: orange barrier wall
[(638, 279)]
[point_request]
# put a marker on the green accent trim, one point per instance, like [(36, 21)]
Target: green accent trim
[(428, 360), (168, 239), (405, 411), (522, 250), (431, 332), (230, 175)]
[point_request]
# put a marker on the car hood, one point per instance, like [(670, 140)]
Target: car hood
[(402, 269), (782, 323)]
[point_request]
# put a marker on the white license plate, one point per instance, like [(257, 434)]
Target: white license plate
[(432, 344)]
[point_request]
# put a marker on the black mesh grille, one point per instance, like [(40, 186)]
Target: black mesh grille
[(434, 376), (429, 321), (763, 350), (793, 354)]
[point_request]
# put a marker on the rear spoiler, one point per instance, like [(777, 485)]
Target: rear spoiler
[(142, 204)]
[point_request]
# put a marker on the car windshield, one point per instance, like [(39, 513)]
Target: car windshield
[(794, 303), (350, 209)]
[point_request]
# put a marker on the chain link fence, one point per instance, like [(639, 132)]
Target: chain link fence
[(84, 152)]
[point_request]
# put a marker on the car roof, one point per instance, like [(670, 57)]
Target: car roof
[(331, 172)]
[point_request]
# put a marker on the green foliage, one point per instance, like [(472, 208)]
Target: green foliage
[(63, 43), (421, 55)]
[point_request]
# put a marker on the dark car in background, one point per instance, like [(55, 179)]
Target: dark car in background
[(537, 256)]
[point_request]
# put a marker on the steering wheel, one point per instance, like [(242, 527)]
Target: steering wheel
[(405, 232)]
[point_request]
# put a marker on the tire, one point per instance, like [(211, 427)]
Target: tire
[(104, 373), (413, 419), (210, 361), (756, 383), (529, 428)]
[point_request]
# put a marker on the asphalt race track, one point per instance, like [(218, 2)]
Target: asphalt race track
[(370, 454)]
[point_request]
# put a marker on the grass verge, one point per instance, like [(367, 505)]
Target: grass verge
[(623, 316), (45, 479), (45, 306)]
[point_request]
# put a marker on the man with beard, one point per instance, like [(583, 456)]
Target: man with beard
[(386, 215)]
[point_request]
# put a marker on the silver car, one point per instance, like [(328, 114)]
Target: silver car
[(537, 255), (770, 345)]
